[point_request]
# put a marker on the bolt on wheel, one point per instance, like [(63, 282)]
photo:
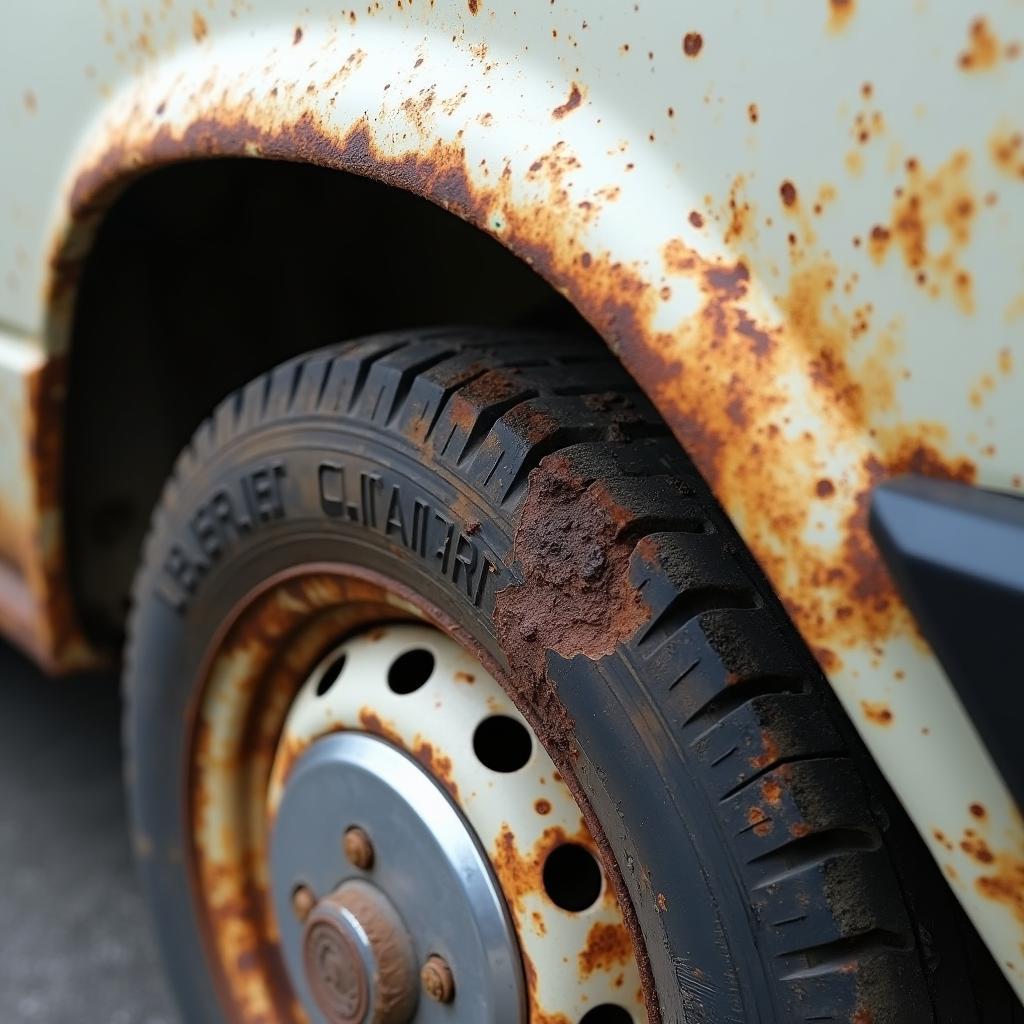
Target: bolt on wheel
[(426, 858)]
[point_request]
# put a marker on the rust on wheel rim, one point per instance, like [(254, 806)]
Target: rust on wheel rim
[(255, 666)]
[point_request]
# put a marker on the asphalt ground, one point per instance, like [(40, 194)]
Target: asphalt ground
[(75, 941)]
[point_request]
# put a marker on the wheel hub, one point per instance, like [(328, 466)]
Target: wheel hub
[(359, 959), (428, 893)]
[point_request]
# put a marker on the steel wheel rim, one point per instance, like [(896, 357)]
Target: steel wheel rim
[(305, 611)]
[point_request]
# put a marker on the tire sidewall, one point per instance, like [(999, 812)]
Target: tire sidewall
[(296, 515)]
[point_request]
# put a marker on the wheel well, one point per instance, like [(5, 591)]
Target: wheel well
[(204, 275)]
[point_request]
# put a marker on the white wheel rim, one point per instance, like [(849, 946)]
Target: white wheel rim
[(575, 960)]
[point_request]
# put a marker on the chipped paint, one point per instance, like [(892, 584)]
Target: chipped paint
[(785, 342)]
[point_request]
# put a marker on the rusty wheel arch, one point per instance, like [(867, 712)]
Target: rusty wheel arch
[(163, 313)]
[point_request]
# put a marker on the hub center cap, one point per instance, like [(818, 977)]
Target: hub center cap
[(359, 959), (427, 892)]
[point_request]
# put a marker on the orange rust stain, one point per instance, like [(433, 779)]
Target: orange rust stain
[(542, 806), (608, 946), (840, 13), (474, 6), (976, 848), (788, 192), (693, 43), (1007, 152), (730, 416), (521, 878), (978, 811), (742, 217), (760, 824), (199, 27), (931, 225), (438, 764), (877, 712), (30, 102), (983, 47), (771, 790), (574, 100), (465, 677), (752, 113)]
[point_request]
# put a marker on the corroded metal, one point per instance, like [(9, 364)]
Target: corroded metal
[(810, 265)]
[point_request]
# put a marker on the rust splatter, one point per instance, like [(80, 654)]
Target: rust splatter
[(1007, 152), (983, 49), (574, 100), (877, 712), (693, 43), (608, 946), (840, 13), (577, 597), (942, 203)]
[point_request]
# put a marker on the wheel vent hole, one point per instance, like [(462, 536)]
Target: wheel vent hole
[(607, 1013), (410, 671), (330, 677), (502, 744), (572, 878)]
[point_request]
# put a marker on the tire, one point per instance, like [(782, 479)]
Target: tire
[(770, 872)]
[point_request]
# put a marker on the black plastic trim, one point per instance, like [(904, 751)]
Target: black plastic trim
[(957, 555)]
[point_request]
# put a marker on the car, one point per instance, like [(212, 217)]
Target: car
[(551, 473)]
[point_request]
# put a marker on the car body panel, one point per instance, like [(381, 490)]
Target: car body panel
[(797, 225)]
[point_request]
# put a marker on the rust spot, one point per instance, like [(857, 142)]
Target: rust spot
[(978, 811), (927, 205), (788, 192), (693, 43), (983, 49), (199, 27), (752, 113), (824, 488), (840, 13), (464, 677), (1007, 152), (696, 219), (474, 7), (542, 806), (608, 946), (297, 37), (574, 100), (877, 712), (30, 102), (576, 596)]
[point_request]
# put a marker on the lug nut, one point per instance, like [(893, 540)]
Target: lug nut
[(437, 980), (358, 848), (303, 902)]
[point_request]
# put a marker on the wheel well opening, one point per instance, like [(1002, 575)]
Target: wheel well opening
[(204, 275)]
